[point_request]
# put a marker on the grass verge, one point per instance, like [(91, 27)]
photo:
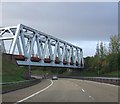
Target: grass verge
[(11, 72)]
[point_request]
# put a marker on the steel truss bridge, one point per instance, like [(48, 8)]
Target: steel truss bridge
[(32, 47)]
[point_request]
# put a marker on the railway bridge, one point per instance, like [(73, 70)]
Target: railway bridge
[(32, 47)]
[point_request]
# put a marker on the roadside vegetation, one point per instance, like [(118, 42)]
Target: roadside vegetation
[(47, 70), (106, 61), (10, 71)]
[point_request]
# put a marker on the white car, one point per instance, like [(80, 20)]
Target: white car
[(55, 78)]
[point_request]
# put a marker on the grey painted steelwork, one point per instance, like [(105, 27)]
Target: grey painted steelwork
[(31, 43)]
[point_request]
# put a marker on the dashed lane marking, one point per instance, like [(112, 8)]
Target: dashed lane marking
[(91, 97), (83, 90)]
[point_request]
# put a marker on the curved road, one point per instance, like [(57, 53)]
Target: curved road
[(65, 90)]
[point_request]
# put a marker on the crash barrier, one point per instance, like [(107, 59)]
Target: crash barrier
[(11, 86), (115, 81)]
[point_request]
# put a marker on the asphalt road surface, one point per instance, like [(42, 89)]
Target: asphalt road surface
[(64, 90)]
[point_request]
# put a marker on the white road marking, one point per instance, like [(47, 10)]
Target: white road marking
[(110, 84), (35, 93), (91, 97), (102, 83), (83, 90)]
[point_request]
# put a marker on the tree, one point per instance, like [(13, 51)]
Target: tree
[(114, 52), (100, 58), (106, 59), (114, 45), (97, 50)]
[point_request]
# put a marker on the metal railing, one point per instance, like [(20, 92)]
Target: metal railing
[(11, 86), (110, 80)]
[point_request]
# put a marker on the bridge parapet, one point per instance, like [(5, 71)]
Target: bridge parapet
[(32, 47)]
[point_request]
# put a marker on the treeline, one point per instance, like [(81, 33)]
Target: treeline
[(106, 59)]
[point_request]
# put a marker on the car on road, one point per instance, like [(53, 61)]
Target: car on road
[(54, 77)]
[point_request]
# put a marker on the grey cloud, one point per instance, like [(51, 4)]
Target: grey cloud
[(68, 21), (88, 21)]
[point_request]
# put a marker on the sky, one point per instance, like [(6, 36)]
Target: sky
[(83, 24), (60, 0)]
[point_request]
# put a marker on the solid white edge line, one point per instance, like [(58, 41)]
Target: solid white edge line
[(35, 93), (103, 83)]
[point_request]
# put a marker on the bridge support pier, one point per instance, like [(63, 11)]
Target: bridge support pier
[(27, 73)]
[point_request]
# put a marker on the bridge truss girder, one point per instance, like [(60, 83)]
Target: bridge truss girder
[(33, 43)]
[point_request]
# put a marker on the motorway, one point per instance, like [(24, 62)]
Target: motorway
[(64, 90)]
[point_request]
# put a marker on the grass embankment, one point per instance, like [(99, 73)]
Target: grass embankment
[(85, 73), (39, 71), (112, 74), (73, 72), (10, 71)]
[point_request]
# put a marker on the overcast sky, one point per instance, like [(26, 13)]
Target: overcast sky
[(82, 24)]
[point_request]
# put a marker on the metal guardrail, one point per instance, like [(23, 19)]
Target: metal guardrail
[(8, 83), (11, 86), (115, 81)]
